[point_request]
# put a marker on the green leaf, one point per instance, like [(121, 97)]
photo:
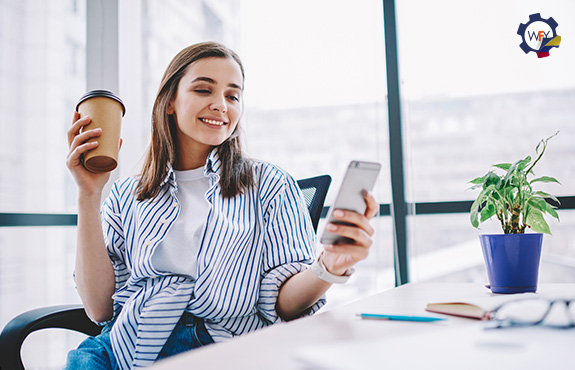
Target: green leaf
[(548, 196), (511, 172), (503, 166), (538, 203), (545, 179), (491, 179), (536, 222), (473, 213), (551, 210), (487, 212), (523, 163), (477, 180)]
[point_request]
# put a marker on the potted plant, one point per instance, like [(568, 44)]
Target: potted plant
[(512, 258)]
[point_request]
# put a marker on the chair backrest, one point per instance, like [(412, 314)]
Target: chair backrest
[(314, 191)]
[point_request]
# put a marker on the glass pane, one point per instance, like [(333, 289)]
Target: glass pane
[(309, 106), (42, 74), (36, 269), (447, 249), (478, 100), (481, 102)]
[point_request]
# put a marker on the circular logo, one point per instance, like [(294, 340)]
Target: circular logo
[(535, 33)]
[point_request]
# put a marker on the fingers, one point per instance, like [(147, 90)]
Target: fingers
[(357, 229), (359, 235), (372, 206), (78, 140), (356, 221), (353, 225), (77, 126)]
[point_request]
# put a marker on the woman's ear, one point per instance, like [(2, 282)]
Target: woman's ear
[(170, 109)]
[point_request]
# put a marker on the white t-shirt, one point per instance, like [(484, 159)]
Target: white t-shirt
[(178, 252)]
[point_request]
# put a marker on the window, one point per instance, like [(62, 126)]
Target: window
[(473, 98)]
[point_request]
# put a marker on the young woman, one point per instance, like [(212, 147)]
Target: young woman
[(205, 244)]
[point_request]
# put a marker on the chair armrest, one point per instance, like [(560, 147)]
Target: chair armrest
[(71, 317)]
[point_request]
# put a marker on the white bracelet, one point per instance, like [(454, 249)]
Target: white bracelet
[(319, 269)]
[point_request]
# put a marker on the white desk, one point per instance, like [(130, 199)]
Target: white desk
[(338, 339)]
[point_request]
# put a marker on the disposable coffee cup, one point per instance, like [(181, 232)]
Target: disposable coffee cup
[(106, 110)]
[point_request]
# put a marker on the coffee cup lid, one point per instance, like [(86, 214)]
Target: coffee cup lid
[(101, 93)]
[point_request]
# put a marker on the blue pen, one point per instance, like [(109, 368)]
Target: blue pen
[(399, 317)]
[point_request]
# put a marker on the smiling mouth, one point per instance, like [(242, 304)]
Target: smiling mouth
[(213, 122)]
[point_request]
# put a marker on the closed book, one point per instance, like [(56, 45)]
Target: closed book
[(479, 309), (461, 309)]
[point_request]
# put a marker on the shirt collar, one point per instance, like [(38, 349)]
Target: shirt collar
[(213, 165)]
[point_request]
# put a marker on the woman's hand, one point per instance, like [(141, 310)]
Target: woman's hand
[(341, 257), (300, 291), (88, 182)]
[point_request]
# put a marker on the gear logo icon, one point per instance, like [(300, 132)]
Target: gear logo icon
[(539, 35)]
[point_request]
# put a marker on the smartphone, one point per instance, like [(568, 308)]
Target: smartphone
[(359, 176)]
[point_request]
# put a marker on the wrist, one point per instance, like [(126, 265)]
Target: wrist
[(88, 198), (320, 270)]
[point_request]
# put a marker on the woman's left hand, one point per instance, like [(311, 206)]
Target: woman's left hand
[(341, 257)]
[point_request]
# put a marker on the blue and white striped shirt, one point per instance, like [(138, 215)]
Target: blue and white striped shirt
[(252, 244)]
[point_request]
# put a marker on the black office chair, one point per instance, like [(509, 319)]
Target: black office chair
[(314, 191), (73, 317)]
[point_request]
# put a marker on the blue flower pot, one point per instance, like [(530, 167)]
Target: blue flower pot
[(512, 261)]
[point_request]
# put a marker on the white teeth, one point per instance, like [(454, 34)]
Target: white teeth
[(213, 122)]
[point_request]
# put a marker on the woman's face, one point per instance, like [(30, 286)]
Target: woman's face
[(207, 106)]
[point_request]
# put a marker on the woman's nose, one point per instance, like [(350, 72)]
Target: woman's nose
[(219, 104)]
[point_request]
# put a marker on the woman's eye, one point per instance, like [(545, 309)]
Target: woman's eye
[(202, 91), (234, 98)]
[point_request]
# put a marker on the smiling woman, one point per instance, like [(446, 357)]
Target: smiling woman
[(289, 116), (220, 246)]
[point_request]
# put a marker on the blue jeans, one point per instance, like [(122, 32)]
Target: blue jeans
[(95, 353)]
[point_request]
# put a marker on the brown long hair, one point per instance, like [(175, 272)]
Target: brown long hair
[(236, 176)]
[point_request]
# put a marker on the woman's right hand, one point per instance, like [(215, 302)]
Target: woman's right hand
[(88, 182)]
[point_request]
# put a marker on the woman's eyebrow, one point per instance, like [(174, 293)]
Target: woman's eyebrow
[(206, 79), (212, 81)]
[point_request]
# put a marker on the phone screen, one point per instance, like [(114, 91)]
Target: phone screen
[(359, 176)]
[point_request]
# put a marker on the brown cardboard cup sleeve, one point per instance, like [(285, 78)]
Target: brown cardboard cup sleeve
[(106, 110)]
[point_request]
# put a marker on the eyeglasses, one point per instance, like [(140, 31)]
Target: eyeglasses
[(557, 313)]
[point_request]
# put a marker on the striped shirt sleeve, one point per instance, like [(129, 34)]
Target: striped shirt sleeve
[(288, 243), (114, 238)]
